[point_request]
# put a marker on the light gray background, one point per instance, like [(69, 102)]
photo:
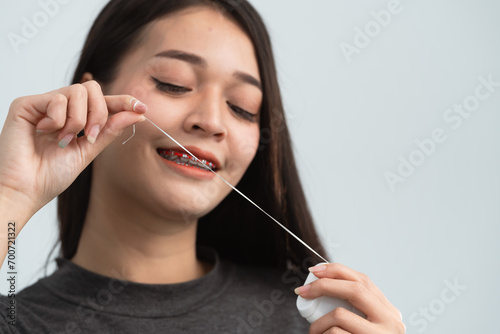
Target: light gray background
[(351, 121)]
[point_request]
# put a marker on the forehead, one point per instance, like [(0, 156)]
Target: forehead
[(205, 32)]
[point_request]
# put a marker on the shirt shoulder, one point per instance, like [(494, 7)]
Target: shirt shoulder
[(31, 310), (8, 315)]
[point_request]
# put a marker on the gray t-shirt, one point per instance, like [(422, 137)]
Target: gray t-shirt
[(231, 298)]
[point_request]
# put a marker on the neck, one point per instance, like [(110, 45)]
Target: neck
[(137, 247)]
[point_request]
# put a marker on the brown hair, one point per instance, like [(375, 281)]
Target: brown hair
[(235, 229)]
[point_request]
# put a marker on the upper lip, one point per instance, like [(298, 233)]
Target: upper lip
[(197, 152)]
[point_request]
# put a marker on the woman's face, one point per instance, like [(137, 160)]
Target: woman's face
[(197, 72)]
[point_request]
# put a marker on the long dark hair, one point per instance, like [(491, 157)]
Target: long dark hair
[(235, 229)]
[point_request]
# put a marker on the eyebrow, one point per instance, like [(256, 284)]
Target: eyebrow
[(185, 56), (247, 78), (199, 61)]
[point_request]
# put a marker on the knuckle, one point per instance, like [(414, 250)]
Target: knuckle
[(339, 313), (335, 330), (78, 91), (20, 103), (93, 84), (358, 289), (320, 284), (59, 98), (365, 279), (114, 132), (113, 129), (58, 122), (58, 117), (337, 268)]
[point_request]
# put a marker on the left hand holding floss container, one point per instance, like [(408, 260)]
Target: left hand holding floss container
[(311, 309)]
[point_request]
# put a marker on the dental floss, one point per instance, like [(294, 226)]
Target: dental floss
[(133, 134), (310, 309), (239, 192)]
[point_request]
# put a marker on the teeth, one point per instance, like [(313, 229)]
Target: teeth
[(186, 160)]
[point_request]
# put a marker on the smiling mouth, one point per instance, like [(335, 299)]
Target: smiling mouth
[(186, 160)]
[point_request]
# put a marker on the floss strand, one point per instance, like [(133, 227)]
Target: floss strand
[(231, 186)]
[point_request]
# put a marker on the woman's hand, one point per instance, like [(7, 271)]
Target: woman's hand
[(40, 155), (337, 280)]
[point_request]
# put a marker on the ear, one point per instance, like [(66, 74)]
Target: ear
[(87, 76)]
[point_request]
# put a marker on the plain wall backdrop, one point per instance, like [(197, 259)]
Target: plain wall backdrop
[(406, 91)]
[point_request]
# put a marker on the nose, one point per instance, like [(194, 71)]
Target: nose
[(206, 117)]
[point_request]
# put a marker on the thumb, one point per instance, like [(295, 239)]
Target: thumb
[(114, 127)]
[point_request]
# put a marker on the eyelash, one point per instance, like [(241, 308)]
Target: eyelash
[(243, 113), (178, 90), (169, 88)]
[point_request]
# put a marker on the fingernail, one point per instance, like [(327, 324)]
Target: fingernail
[(94, 131), (303, 289), (140, 107), (66, 140), (317, 268)]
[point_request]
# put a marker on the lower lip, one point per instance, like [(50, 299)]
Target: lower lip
[(188, 170)]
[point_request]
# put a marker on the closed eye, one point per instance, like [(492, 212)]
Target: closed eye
[(169, 88), (243, 113), (179, 90)]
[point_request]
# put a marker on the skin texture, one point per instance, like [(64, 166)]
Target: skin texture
[(143, 215)]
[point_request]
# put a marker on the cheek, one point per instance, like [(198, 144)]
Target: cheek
[(244, 149), (141, 89), (136, 84)]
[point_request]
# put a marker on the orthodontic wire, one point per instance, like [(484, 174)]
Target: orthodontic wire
[(234, 188)]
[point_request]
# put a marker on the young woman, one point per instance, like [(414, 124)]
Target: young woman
[(151, 241)]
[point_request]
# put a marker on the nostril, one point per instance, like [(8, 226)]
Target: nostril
[(217, 132)]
